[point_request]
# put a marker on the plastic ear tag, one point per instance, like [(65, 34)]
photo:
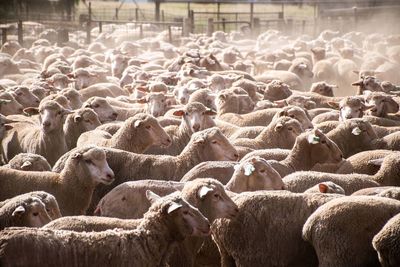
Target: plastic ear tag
[(356, 131), (249, 169), (313, 139)]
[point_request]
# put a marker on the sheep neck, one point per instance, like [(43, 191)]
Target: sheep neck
[(299, 158), (72, 132), (388, 175), (158, 239), (267, 136), (188, 158), (128, 140), (77, 186)]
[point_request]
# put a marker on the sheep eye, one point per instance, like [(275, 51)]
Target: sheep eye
[(214, 142), (216, 196), (162, 101), (262, 171), (88, 161), (187, 113), (35, 213), (148, 127), (95, 105), (185, 212), (290, 128), (59, 113), (291, 116), (88, 121), (323, 141)]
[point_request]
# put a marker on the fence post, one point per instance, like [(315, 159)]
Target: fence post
[(186, 26), (223, 25), (157, 10), (170, 33), (100, 26), (255, 26), (20, 33), (141, 31), (251, 14), (236, 20), (218, 11), (162, 16), (210, 27), (3, 35), (116, 14), (88, 26), (191, 21), (136, 14)]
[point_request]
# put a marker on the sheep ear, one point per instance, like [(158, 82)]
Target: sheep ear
[(31, 111), (18, 211), (151, 196), (4, 101), (77, 118), (278, 127), (87, 105), (77, 156), (357, 83), (26, 164), (8, 126), (137, 123), (173, 206), (179, 113), (280, 103), (282, 113), (210, 112), (376, 162), (204, 191), (142, 100), (333, 104), (323, 188)]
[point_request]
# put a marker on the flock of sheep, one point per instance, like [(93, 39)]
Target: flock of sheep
[(223, 150)]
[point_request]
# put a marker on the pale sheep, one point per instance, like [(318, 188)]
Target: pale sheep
[(28, 162)]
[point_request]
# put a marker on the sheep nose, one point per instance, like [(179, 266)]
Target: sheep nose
[(236, 156), (110, 176), (196, 127), (169, 141), (46, 123), (182, 100)]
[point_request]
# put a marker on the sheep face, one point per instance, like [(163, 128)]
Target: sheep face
[(182, 218), (350, 107), (84, 78), (74, 98), (255, 174), (323, 88), (288, 130), (118, 64), (3, 125), (195, 116), (87, 118), (361, 129), (95, 163), (60, 81), (216, 82), (156, 103), (227, 100), (330, 188), (156, 134), (368, 83), (214, 145), (213, 201), (302, 70), (32, 214), (304, 102), (25, 97), (322, 149), (298, 114), (277, 90), (103, 109), (60, 99), (39, 92), (182, 94), (9, 105), (382, 103)]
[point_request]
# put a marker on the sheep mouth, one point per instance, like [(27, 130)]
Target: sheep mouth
[(201, 232), (107, 181), (165, 144)]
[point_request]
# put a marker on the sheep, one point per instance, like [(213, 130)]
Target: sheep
[(294, 112), (194, 117), (280, 133), (326, 188), (262, 214), (385, 242), (169, 221), (353, 136), (47, 140), (322, 88), (268, 154), (383, 104), (28, 162), (311, 148), (135, 135), (24, 96), (349, 243), (80, 121), (277, 90), (363, 162), (392, 192), (73, 96), (9, 105), (49, 201), (23, 211), (118, 202), (103, 109), (84, 169), (287, 77), (386, 176), (219, 170)]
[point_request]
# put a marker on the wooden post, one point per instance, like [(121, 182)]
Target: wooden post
[(188, 9), (162, 16), (236, 20), (116, 14), (223, 25), (283, 10), (141, 31), (100, 26), (20, 33), (191, 21), (289, 26), (210, 27), (136, 14), (186, 26), (3, 35), (157, 10), (88, 26), (251, 14), (255, 26), (170, 34), (218, 11)]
